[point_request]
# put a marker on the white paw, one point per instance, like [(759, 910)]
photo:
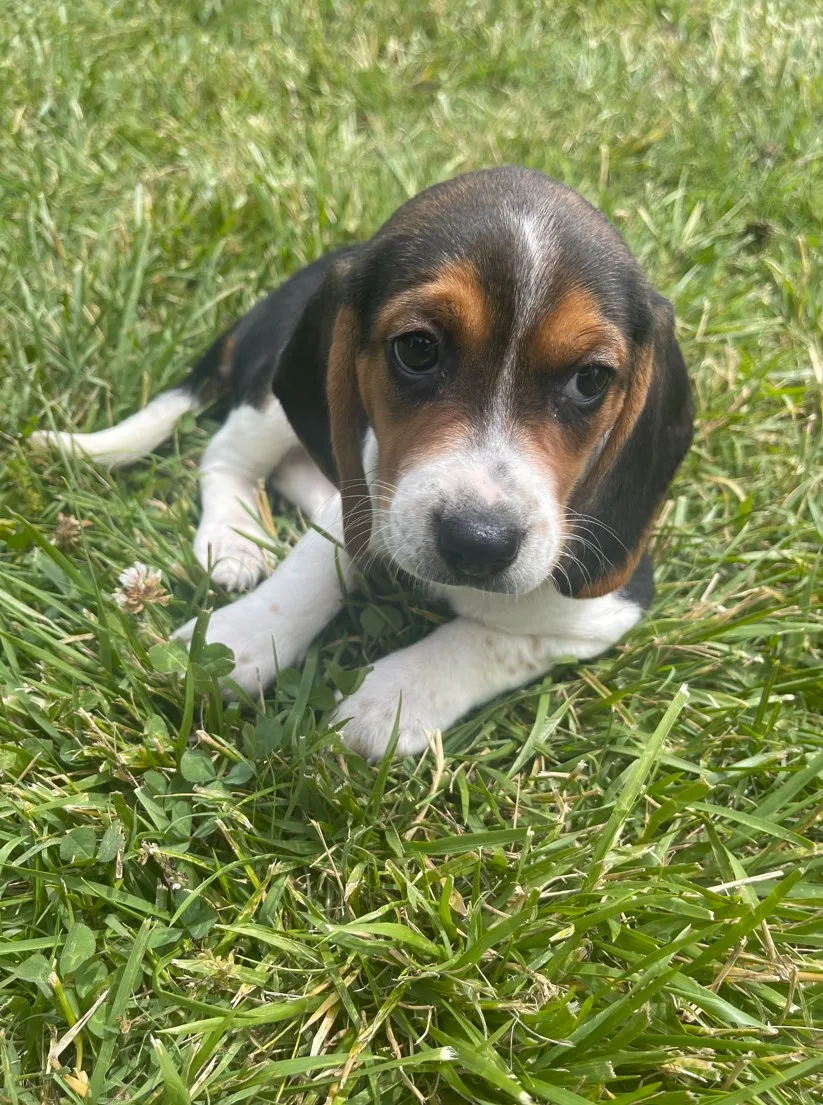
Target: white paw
[(372, 711), (237, 562), (260, 644)]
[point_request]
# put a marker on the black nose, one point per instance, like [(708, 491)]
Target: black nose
[(477, 544)]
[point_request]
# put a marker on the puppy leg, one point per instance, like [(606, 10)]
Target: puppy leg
[(298, 479), (244, 450), (274, 625), (461, 666)]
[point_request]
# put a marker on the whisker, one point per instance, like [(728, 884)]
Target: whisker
[(574, 560), (577, 516), (595, 548)]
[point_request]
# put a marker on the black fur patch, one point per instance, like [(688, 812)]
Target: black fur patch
[(640, 588)]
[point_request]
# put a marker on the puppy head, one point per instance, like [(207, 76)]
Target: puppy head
[(495, 388)]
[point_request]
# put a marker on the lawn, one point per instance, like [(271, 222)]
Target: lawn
[(599, 890)]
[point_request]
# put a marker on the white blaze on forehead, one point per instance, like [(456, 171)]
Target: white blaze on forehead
[(529, 232), (535, 250), (535, 259)]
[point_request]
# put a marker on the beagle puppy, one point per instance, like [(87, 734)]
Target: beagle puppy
[(488, 397)]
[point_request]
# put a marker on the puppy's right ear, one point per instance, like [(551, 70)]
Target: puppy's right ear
[(316, 381)]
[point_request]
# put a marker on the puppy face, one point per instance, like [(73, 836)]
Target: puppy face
[(488, 399), (492, 354)]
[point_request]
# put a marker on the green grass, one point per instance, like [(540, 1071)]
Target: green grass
[(587, 899)]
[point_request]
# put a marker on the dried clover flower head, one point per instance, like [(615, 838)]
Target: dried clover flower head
[(68, 531)]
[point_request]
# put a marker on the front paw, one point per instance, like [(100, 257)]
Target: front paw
[(237, 563), (370, 714), (259, 646)]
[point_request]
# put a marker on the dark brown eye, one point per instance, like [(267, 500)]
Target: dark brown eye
[(587, 384), (416, 353)]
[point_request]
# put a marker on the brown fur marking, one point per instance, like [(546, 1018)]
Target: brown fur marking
[(454, 298), (635, 400), (633, 404), (562, 454), (404, 432), (344, 406), (573, 328)]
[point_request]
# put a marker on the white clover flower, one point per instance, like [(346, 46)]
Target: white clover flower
[(140, 586)]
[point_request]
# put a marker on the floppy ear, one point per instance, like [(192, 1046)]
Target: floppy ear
[(316, 381), (612, 510)]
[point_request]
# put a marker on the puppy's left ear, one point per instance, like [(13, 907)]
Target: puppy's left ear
[(612, 511), (316, 382)]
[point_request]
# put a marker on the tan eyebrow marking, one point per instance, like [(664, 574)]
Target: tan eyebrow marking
[(454, 297), (574, 327)]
